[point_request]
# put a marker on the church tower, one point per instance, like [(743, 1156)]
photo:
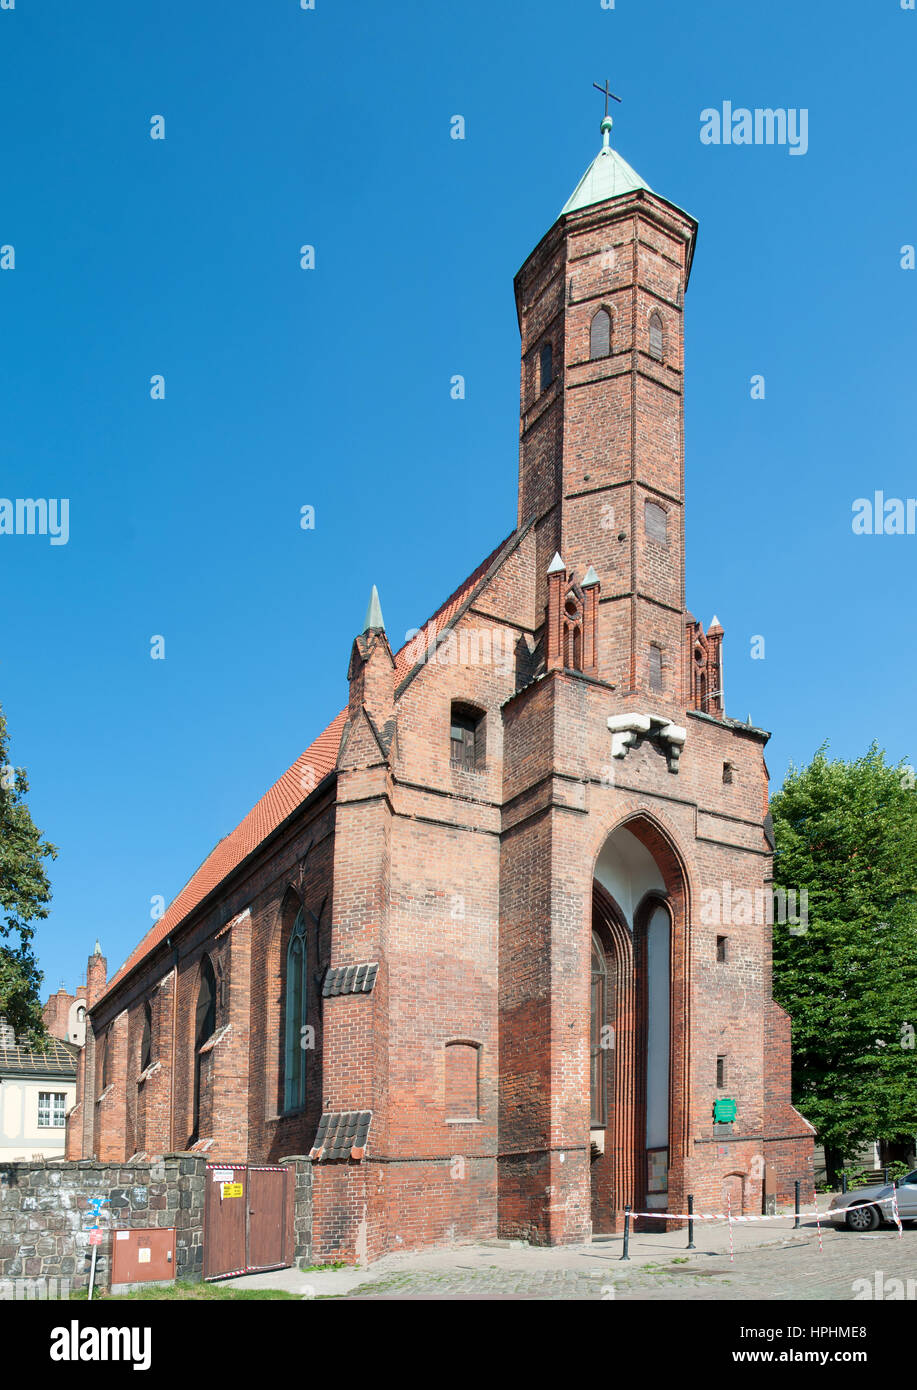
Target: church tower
[(601, 465)]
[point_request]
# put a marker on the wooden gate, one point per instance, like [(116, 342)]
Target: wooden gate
[(248, 1218)]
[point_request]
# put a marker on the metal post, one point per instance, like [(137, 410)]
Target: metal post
[(691, 1245), (92, 1271), (796, 1222), (885, 1175), (844, 1181), (625, 1255)]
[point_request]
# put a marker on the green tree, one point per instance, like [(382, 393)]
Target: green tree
[(846, 834), (24, 897)]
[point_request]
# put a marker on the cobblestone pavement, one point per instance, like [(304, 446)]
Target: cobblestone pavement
[(771, 1263), (793, 1269)]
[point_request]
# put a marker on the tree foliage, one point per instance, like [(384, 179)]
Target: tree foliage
[(24, 897), (846, 833)]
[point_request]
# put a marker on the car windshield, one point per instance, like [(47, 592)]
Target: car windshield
[(911, 1178)]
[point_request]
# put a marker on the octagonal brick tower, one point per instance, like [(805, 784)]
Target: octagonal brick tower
[(602, 409)]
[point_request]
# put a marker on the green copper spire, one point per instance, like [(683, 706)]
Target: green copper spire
[(608, 176), (374, 621)]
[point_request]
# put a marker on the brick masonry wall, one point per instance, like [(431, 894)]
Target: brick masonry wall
[(45, 1215)]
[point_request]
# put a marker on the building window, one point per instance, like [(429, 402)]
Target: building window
[(146, 1039), (656, 522), (297, 1001), (727, 772), (51, 1109), (656, 343), (598, 1053), (720, 1072), (205, 1019), (600, 335), (655, 668), (466, 739), (721, 949), (105, 1060), (462, 1081), (545, 368)]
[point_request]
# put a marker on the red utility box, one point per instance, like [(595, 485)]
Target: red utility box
[(139, 1256)]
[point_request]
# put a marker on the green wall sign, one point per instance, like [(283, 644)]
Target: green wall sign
[(724, 1111)]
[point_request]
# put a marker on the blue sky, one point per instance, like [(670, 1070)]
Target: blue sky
[(330, 388)]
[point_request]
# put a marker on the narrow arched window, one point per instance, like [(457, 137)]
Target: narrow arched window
[(598, 1050), (656, 343), (105, 1060), (205, 1022), (545, 367), (600, 334), (294, 1094), (146, 1039), (206, 1014)]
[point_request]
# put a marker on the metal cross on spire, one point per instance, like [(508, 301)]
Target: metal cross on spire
[(607, 93)]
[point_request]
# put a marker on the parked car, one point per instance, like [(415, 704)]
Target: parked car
[(867, 1207)]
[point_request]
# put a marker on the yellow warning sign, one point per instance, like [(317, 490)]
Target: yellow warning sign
[(232, 1189)]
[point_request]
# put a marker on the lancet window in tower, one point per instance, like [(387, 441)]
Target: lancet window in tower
[(656, 338), (545, 368), (600, 334)]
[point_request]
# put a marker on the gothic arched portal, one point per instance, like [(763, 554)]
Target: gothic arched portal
[(637, 1122)]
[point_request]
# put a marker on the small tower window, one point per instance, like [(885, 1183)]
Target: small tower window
[(545, 367), (720, 1072), (600, 334), (467, 739), (656, 344), (721, 950), (657, 523), (655, 668), (727, 772)]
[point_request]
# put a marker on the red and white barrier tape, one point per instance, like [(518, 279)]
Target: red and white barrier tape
[(716, 1216)]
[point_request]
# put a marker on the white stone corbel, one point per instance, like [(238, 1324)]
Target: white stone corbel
[(626, 729)]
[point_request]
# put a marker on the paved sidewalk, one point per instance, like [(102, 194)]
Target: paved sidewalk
[(772, 1261)]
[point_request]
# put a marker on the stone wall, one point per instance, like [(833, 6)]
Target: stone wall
[(45, 1216), (302, 1208)]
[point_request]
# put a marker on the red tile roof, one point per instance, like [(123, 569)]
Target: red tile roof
[(291, 790)]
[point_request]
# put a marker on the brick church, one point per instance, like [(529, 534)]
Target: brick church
[(457, 954)]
